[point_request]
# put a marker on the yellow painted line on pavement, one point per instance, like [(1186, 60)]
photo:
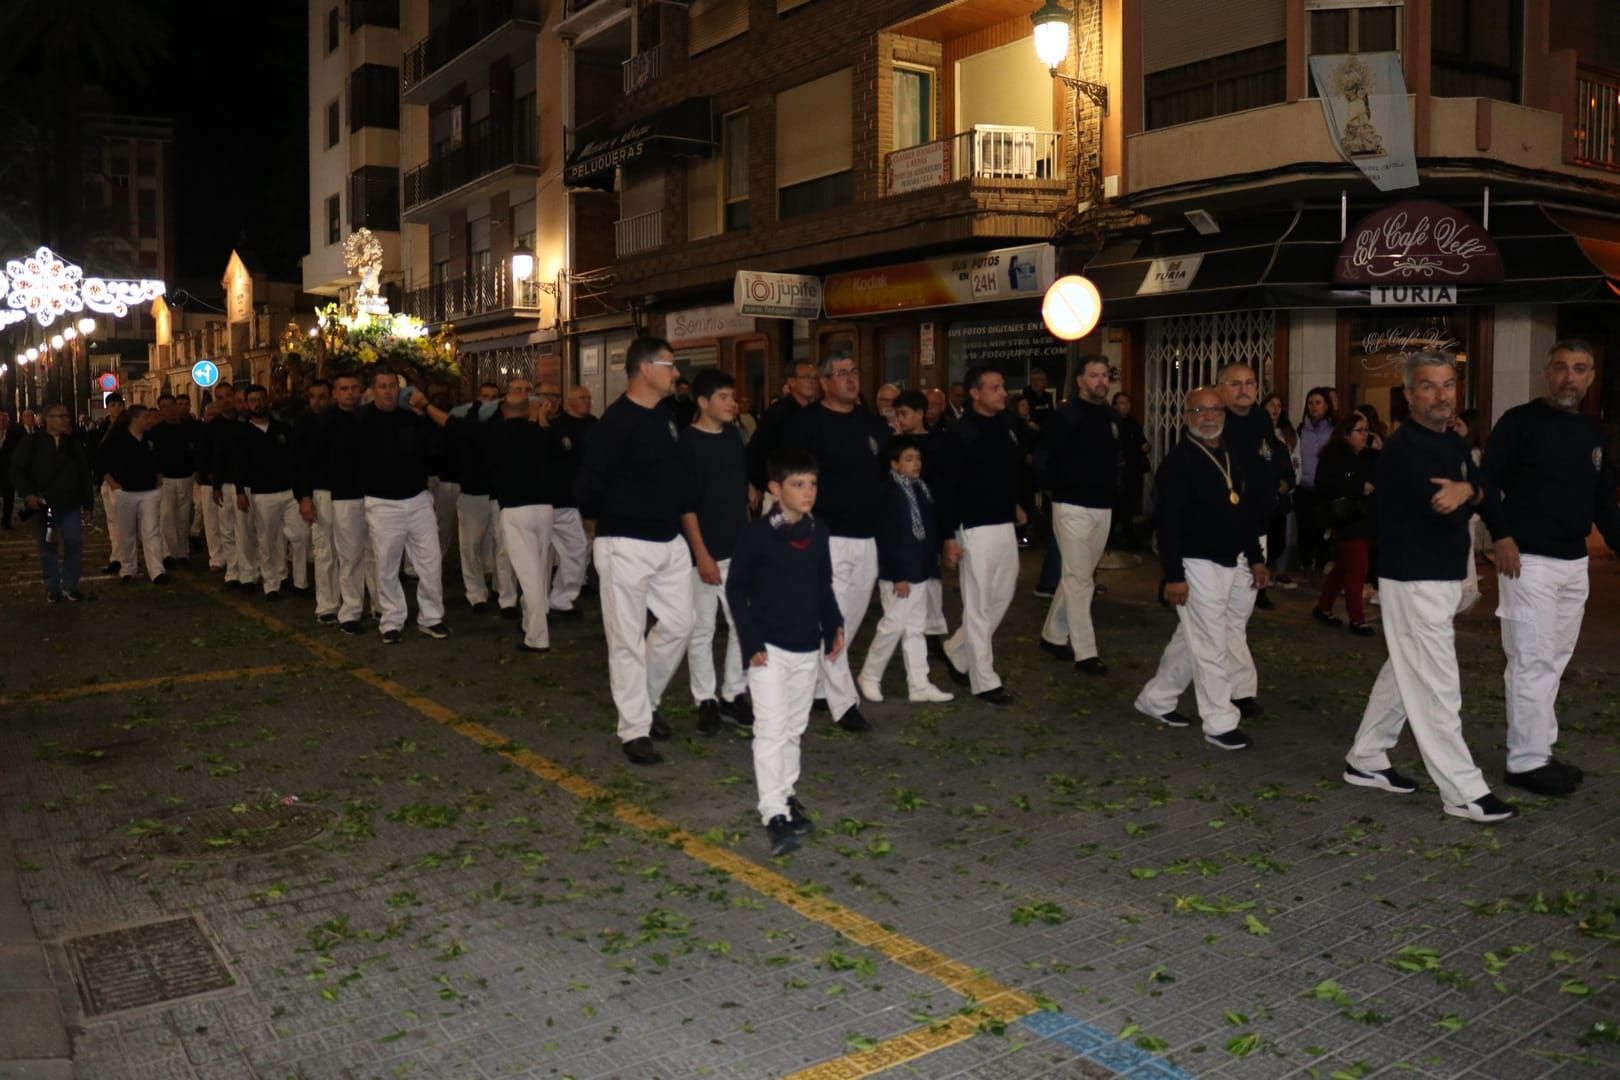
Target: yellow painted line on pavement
[(93, 689), (991, 999)]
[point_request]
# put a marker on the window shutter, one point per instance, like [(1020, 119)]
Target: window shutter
[(702, 195), (814, 129), (1177, 32), (709, 22)]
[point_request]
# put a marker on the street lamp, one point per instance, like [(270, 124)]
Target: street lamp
[(57, 341), (87, 325), (522, 264), (1052, 46)]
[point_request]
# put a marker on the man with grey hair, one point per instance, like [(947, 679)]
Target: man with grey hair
[(847, 442), (1557, 479), (1427, 489), (1212, 565)]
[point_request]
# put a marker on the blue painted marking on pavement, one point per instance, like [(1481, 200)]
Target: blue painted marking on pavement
[(1096, 1045)]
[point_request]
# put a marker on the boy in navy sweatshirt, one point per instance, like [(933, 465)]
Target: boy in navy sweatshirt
[(782, 605), (908, 555)]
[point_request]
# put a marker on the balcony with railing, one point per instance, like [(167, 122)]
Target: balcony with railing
[(471, 36), (483, 158), (1597, 117), (641, 233), (582, 18), (990, 155), (486, 290), (643, 68)]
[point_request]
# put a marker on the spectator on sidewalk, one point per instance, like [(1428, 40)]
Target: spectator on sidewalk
[(1346, 485), (1134, 465), (1278, 546), (1315, 429), (51, 472)]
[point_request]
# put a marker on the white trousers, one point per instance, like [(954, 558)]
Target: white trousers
[(854, 572), (1240, 661), (639, 576), (244, 564), (109, 504), (989, 578), (707, 601), (397, 526), (176, 516), (1541, 612), (483, 550), (323, 547), (444, 495), (283, 537), (356, 563), (783, 691), (1420, 684), (1219, 602), (569, 550), (526, 539), (214, 531), (905, 619), (139, 515), (935, 622), (1081, 534), (198, 494)]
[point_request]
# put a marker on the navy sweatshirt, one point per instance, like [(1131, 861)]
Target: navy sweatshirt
[(1557, 478), (176, 446), (848, 448), (519, 452), (309, 471), (1079, 455), (263, 459), (630, 482), (1253, 438), (716, 487), (208, 449), (1195, 517), (780, 586), (333, 463), (464, 438), (130, 461), (768, 437), (392, 451), (1415, 543), (980, 473), (901, 556), (569, 435)]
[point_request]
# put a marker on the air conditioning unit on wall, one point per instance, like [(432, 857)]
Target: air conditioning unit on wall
[(1004, 152)]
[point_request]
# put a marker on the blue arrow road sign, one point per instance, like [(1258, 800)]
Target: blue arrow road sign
[(204, 373)]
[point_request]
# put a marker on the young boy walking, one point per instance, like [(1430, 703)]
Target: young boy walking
[(714, 511), (908, 556), (782, 604)]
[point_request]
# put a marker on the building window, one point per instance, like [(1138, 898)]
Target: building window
[(734, 168), (913, 106), (374, 198), (1335, 27), (1246, 79), (146, 214), (146, 154), (814, 196), (710, 22), (814, 170), (1478, 49), (334, 218), (334, 123), (384, 13), (332, 25), (374, 97)]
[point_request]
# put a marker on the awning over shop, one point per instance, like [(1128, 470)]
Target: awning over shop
[(684, 130), (1286, 261)]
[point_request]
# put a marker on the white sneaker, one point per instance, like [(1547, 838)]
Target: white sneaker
[(932, 693), (869, 689)]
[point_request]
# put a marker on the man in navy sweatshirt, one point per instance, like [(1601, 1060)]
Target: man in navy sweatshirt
[(780, 590), (1557, 478), (264, 486), (630, 485)]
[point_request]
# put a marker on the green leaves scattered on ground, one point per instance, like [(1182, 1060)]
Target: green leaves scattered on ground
[(1039, 912)]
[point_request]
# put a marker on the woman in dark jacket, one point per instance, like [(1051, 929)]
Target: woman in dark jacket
[(1344, 486)]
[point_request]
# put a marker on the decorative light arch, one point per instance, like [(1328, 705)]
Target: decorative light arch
[(47, 287)]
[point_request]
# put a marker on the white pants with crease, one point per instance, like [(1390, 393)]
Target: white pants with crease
[(139, 515), (639, 576), (109, 504), (1240, 661), (936, 623), (569, 551), (398, 526), (526, 540), (244, 567), (1420, 685), (854, 572), (176, 516), (1541, 612), (323, 549), (283, 538), (198, 493), (1219, 601), (483, 550), (214, 522), (445, 493), (905, 619), (1081, 535), (708, 601), (356, 563), (782, 691), (989, 578)]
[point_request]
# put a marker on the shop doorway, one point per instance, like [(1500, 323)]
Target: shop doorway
[(1187, 352), (757, 376)]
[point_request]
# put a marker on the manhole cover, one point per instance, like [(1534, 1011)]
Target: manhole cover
[(228, 830), (145, 965)]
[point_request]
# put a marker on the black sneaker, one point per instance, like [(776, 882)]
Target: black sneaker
[(783, 838), (1060, 652), (708, 721), (1229, 740), (1091, 666), (1383, 779), (126, 579), (1485, 809), (513, 612), (998, 696), (392, 637), (162, 579), (1263, 602), (524, 646), (329, 619), (53, 598), (170, 562), (73, 596), (565, 613), (1361, 629), (1575, 772), (353, 627), (820, 705), (852, 720), (660, 727), (438, 631), (301, 590), (1326, 618), (1549, 779), (113, 567), (1249, 707), (640, 752), (1170, 719), (273, 595), (960, 678), (739, 711), (482, 606), (802, 825)]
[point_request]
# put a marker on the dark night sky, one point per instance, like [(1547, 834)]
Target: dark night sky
[(234, 81)]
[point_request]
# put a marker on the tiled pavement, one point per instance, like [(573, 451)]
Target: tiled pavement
[(1180, 911)]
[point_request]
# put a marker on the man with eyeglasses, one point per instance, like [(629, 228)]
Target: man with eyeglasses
[(1212, 565), (803, 389), (847, 442), (630, 484), (570, 547), (51, 472)]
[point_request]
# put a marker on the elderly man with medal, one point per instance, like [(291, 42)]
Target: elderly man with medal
[(1212, 565)]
